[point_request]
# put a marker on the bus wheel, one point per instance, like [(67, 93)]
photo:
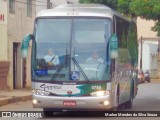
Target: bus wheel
[(47, 112), (128, 104), (115, 108)]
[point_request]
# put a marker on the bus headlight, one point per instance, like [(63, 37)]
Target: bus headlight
[(100, 93), (34, 101), (41, 92)]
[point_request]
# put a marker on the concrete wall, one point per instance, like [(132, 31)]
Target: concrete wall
[(146, 56), (19, 25), (4, 63), (153, 55), (41, 5), (144, 28), (149, 50), (153, 60), (4, 68), (149, 56), (3, 31)]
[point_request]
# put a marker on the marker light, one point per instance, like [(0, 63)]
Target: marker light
[(34, 101), (106, 102), (100, 93)]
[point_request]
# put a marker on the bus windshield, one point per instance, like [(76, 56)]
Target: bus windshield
[(71, 49)]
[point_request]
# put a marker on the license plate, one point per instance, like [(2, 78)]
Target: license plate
[(69, 103)]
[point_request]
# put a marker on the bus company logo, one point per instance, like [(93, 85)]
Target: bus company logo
[(50, 87), (69, 92)]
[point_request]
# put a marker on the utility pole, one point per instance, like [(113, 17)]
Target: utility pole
[(68, 2), (48, 4), (158, 57), (141, 54)]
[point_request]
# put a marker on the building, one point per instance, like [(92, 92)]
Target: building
[(16, 20), (149, 56), (4, 61), (144, 28), (47, 4), (148, 45)]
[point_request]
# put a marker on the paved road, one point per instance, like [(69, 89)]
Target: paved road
[(147, 99)]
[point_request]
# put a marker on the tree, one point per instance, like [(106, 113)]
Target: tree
[(147, 9), (111, 3), (132, 44), (124, 8)]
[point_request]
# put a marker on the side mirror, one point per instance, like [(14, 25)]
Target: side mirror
[(113, 43), (25, 45)]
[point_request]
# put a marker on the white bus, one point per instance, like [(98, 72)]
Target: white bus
[(94, 59)]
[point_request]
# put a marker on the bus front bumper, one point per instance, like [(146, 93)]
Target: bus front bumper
[(72, 103)]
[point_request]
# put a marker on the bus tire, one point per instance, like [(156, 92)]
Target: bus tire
[(128, 104), (115, 107), (47, 112)]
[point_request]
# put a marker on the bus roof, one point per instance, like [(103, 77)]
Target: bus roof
[(98, 10)]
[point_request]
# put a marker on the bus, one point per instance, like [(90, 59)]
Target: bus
[(77, 32)]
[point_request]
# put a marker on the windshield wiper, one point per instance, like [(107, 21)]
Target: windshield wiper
[(79, 67)]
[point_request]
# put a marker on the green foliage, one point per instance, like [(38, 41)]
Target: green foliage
[(123, 7), (148, 9), (111, 3), (156, 28), (144, 8), (133, 44), (124, 42)]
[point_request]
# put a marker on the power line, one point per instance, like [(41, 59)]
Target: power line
[(39, 1), (29, 4)]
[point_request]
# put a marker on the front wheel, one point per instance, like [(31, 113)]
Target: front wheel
[(128, 104), (116, 105), (47, 112)]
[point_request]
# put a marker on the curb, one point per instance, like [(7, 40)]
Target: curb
[(15, 99), (155, 80)]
